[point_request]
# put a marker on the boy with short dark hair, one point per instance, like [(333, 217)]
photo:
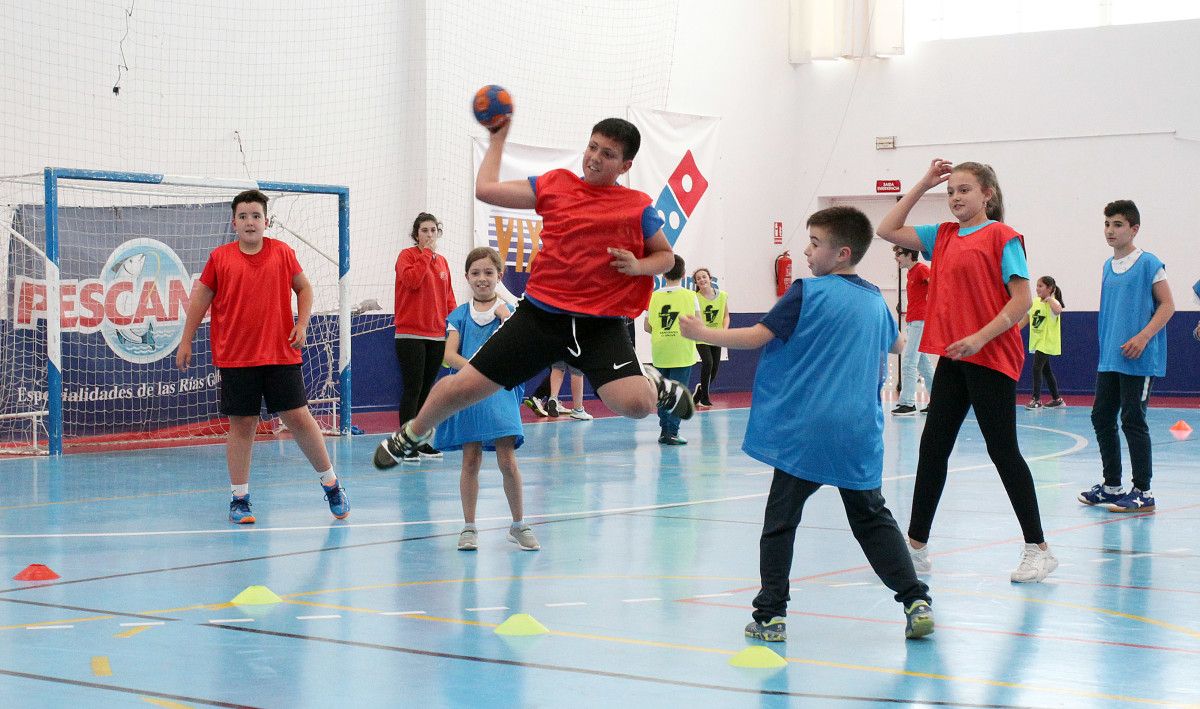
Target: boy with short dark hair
[(832, 332), (256, 345), (913, 359), (601, 243), (672, 354), (1135, 305)]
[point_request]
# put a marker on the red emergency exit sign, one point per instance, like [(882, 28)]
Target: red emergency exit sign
[(887, 185)]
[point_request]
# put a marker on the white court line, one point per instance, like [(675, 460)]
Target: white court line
[(489, 608), (851, 583), (317, 617), (1103, 561), (564, 605), (231, 620), (49, 627), (139, 625), (1080, 444), (403, 613), (639, 600), (713, 595)]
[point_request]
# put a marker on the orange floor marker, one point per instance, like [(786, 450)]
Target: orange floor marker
[(36, 572), (1181, 430)]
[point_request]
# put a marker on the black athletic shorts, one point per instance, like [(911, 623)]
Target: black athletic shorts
[(533, 339), (243, 389)]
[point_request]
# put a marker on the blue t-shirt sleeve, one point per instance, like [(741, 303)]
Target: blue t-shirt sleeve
[(651, 221), (781, 320), (1012, 261), (927, 233), (1196, 290), (533, 184)]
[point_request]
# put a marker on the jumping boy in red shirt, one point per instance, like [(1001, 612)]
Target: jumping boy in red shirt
[(256, 345)]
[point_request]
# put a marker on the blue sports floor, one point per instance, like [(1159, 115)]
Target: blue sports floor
[(648, 567)]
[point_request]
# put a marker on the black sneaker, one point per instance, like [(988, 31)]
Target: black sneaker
[(672, 440), (672, 396), (400, 446), (904, 410), (925, 410), (535, 406), (552, 409), (427, 451), (773, 631), (1054, 404)]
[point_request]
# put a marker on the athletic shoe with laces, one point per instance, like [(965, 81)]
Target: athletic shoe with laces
[(339, 503), (672, 396), (1054, 404), (535, 405), (468, 539), (580, 414), (1036, 564), (239, 510), (920, 559), (904, 410), (523, 537), (918, 620), (1133, 501), (428, 451), (773, 631), (400, 446), (1033, 404), (672, 439), (553, 408), (1097, 496)]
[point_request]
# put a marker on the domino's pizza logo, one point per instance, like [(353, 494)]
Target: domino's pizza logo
[(679, 197)]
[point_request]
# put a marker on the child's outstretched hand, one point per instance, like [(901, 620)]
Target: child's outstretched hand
[(297, 336), (938, 172), (624, 261), (692, 327), (965, 347)]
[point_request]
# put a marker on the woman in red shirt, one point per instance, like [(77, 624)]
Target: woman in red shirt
[(424, 297)]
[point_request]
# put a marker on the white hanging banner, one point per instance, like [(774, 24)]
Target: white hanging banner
[(676, 166), (516, 233)]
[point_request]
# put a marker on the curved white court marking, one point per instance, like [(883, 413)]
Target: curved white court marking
[(1080, 443)]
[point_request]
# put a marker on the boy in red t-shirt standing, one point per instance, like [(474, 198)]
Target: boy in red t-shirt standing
[(256, 345), (600, 244), (913, 359)]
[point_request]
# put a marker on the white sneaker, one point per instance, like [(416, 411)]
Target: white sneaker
[(920, 559), (523, 537), (580, 414), (1036, 564), (468, 539)]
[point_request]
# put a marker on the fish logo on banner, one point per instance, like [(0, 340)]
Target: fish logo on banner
[(679, 197)]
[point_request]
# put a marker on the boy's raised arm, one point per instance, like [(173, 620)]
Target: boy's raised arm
[(738, 338), (515, 194)]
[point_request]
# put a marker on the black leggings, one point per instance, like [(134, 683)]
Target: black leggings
[(710, 362), (958, 387), (420, 361), (1041, 365)]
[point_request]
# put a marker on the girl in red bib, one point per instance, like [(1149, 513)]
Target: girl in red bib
[(978, 293)]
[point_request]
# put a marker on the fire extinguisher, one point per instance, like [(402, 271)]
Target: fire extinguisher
[(783, 273)]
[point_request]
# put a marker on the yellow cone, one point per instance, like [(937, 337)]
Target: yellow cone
[(256, 596), (521, 624), (758, 657)]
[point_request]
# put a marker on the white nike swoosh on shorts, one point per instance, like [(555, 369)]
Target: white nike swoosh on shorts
[(618, 366)]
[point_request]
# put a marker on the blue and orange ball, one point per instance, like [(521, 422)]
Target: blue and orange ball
[(492, 103)]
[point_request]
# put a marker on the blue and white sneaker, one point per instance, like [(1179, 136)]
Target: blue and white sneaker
[(239, 510), (1134, 501), (339, 503), (1097, 496)]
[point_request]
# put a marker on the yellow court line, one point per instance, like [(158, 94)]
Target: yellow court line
[(1079, 606), (65, 621), (165, 703), (100, 666), (793, 660), (130, 632)]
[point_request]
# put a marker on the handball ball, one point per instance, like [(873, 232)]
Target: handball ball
[(491, 104)]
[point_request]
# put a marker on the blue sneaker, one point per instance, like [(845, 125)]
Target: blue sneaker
[(1134, 501), (919, 621), (239, 510), (773, 631), (1097, 496), (339, 504)]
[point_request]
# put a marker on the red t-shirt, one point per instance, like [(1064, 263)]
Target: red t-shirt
[(251, 315), (580, 222), (424, 296), (966, 293), (918, 289)]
